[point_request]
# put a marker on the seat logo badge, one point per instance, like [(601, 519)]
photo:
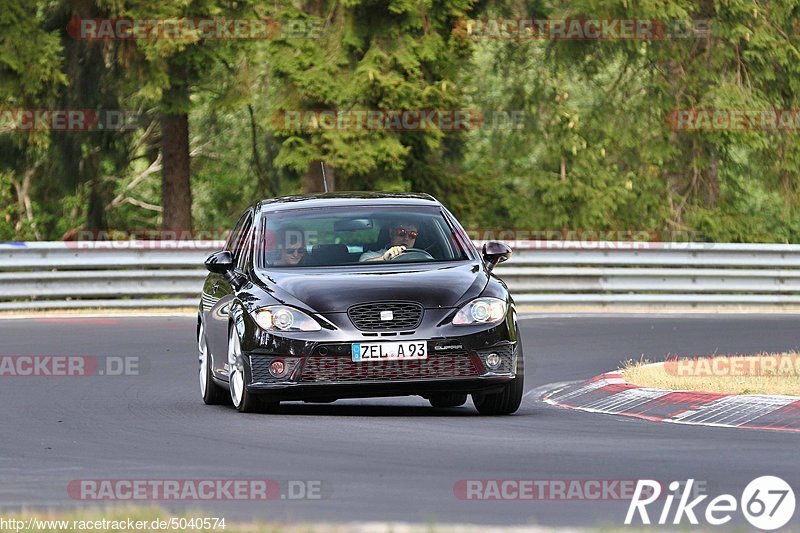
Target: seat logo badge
[(386, 315)]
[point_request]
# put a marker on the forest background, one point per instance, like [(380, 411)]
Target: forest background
[(577, 133)]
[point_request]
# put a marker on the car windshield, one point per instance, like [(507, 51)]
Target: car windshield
[(356, 236)]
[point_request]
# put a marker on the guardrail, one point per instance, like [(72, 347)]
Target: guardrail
[(65, 275), (53, 275)]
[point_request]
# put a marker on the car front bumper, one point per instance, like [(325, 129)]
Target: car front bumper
[(324, 369)]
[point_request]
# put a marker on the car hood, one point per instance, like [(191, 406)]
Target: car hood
[(328, 290)]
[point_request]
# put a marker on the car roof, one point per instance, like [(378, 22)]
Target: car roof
[(345, 199)]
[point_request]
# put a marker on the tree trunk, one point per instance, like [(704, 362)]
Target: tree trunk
[(313, 181), (712, 180), (176, 191)]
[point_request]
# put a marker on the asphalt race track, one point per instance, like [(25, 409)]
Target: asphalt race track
[(395, 459)]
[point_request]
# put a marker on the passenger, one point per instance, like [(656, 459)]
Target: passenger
[(292, 246)]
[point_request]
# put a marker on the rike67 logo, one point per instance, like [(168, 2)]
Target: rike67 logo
[(767, 502)]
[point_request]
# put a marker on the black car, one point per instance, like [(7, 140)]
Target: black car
[(351, 295)]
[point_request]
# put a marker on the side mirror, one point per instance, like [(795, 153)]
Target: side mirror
[(495, 252), (220, 262)]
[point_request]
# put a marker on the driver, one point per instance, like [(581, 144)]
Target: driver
[(402, 235)]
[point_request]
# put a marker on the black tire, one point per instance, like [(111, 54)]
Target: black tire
[(250, 403), (256, 403), (508, 400), (212, 393), (448, 399)]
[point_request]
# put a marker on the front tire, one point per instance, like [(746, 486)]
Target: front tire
[(508, 400), (212, 393), (243, 400)]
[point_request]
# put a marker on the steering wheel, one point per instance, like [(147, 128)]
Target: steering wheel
[(412, 254)]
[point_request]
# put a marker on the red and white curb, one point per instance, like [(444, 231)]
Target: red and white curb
[(610, 394)]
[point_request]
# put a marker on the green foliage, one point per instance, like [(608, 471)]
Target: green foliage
[(8, 231), (596, 151), (29, 55), (386, 55)]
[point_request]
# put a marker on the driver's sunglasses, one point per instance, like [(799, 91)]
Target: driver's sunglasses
[(295, 251), (401, 232)]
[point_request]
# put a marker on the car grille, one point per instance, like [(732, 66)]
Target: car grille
[(336, 369), (367, 317)]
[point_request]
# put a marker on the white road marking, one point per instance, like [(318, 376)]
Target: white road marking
[(735, 410), (625, 400), (538, 391)]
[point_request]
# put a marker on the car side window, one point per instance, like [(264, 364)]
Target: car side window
[(242, 237), (234, 234), (242, 256)]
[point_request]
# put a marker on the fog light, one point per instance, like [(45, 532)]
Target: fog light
[(277, 369), (493, 361)]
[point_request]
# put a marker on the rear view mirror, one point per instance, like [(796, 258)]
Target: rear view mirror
[(495, 252), (352, 224), (220, 262)]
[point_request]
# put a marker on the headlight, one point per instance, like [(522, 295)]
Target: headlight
[(481, 311), (283, 318)]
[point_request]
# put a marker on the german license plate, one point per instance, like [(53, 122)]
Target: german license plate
[(389, 351)]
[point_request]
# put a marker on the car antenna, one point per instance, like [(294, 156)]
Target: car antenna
[(324, 181)]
